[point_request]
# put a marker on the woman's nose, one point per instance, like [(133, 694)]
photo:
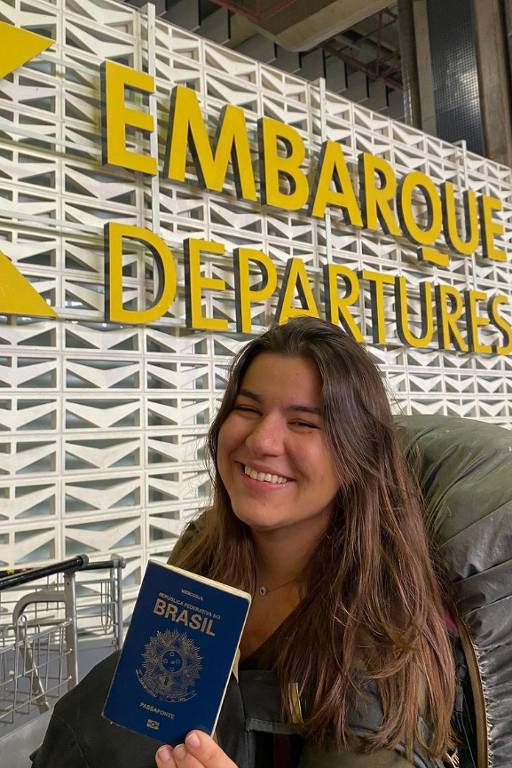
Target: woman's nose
[(266, 437)]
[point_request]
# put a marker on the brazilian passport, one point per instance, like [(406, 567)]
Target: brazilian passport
[(177, 657)]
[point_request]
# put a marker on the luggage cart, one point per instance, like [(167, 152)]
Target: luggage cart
[(40, 626)]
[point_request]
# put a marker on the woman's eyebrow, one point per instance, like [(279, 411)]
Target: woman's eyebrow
[(306, 408), (293, 407), (251, 395)]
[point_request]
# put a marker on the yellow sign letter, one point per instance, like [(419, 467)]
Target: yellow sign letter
[(338, 306), (116, 117), (500, 323), (377, 282), (244, 294), (273, 165), (295, 277), (490, 227), (447, 330), (469, 244), (186, 123), (195, 283), (164, 267), (376, 201), (428, 234), (402, 315), (475, 321), (333, 168)]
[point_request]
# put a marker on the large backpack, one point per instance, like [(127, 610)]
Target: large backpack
[(464, 468)]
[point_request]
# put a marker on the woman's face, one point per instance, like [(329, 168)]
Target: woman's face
[(273, 456)]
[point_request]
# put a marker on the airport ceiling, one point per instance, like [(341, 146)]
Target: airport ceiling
[(354, 44)]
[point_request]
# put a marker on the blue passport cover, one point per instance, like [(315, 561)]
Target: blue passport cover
[(177, 656)]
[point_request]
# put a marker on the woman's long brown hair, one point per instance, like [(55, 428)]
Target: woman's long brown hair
[(373, 602)]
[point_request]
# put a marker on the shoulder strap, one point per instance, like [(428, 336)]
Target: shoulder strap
[(482, 754)]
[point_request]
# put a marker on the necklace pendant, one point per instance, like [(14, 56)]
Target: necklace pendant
[(263, 591)]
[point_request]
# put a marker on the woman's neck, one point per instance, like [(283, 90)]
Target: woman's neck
[(280, 557)]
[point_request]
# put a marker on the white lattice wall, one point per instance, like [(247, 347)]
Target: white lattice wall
[(101, 427)]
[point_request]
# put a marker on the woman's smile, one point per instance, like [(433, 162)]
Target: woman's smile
[(264, 475)]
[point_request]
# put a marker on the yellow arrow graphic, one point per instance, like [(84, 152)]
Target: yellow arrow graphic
[(19, 46), (17, 295)]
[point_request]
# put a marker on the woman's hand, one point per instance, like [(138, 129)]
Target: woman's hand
[(198, 751)]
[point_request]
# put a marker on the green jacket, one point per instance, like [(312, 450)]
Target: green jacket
[(79, 737)]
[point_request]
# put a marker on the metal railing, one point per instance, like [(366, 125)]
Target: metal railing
[(39, 629)]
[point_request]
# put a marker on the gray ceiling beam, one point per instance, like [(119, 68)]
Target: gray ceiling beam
[(184, 14), (216, 27), (308, 23), (258, 47)]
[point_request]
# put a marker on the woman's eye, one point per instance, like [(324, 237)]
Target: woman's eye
[(245, 409), (305, 424)]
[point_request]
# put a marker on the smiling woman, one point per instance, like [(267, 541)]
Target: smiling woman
[(315, 513), (345, 657)]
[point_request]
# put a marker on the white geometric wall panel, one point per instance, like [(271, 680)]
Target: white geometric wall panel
[(102, 426)]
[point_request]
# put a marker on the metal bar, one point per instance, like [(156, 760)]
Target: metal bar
[(394, 84), (119, 607), (389, 12), (153, 109), (377, 30), (37, 690), (115, 562), (73, 564), (17, 642), (392, 68), (20, 622), (411, 91), (71, 629), (379, 46), (259, 14), (41, 596)]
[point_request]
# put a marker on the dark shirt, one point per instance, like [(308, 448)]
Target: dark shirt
[(272, 750)]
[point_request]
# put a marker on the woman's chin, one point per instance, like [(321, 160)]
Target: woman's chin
[(265, 521)]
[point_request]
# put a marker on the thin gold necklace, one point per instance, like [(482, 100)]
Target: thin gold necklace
[(264, 591)]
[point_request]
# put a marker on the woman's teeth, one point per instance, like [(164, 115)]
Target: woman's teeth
[(264, 476)]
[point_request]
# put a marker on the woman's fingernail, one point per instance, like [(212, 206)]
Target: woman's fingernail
[(193, 740), (179, 752), (164, 753)]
